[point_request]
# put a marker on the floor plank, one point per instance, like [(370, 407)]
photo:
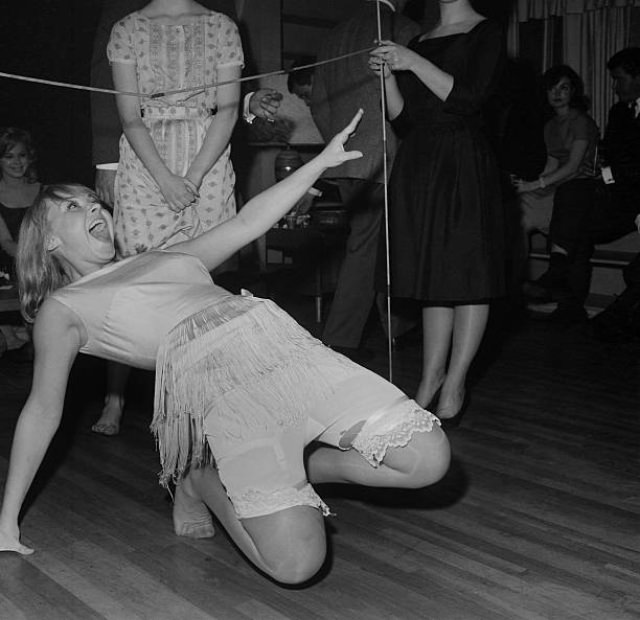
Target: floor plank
[(537, 519)]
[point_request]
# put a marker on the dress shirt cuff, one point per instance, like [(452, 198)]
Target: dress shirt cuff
[(109, 166), (607, 175), (246, 112)]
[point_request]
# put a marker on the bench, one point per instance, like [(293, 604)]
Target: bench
[(608, 261)]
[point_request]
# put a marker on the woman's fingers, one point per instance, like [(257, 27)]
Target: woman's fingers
[(351, 127), (334, 154), (192, 187)]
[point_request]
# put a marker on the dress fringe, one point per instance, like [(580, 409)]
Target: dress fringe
[(244, 361)]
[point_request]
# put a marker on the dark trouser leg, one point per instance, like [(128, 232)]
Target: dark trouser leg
[(573, 210), (615, 322), (631, 274), (354, 296), (609, 221)]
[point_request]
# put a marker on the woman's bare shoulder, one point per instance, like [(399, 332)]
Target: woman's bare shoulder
[(54, 313)]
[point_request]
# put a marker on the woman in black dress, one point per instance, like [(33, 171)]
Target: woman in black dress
[(446, 216)]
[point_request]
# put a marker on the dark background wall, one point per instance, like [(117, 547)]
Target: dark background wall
[(52, 39)]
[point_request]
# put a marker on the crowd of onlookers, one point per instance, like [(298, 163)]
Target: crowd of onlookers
[(588, 191), (564, 178)]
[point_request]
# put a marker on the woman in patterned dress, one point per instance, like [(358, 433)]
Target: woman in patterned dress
[(175, 179)]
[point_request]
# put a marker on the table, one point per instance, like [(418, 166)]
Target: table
[(309, 247)]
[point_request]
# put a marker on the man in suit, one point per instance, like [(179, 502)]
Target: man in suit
[(105, 122), (339, 89), (616, 208)]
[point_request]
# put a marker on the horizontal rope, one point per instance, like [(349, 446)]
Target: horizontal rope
[(201, 88)]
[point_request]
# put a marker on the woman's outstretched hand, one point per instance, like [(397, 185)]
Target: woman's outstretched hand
[(334, 154), (11, 542)]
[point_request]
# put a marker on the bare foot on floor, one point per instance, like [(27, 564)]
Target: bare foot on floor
[(191, 517), (109, 422)]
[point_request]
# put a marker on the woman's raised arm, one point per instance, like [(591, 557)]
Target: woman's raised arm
[(57, 339), (265, 209), (221, 128)]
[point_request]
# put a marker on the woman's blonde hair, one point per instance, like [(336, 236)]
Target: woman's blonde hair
[(39, 272)]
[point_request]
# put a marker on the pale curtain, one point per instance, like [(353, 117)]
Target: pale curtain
[(593, 30)]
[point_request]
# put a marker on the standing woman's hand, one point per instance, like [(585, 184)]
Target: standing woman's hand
[(178, 192), (396, 57), (379, 65)]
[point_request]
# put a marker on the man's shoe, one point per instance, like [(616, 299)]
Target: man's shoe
[(536, 293), (568, 314)]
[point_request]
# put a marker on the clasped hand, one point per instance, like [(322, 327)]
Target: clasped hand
[(179, 192), (389, 57), (265, 102), (522, 187)]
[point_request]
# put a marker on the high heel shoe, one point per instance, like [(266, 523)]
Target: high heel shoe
[(433, 401), (451, 414)]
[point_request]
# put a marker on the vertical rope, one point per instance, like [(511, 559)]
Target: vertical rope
[(383, 107)]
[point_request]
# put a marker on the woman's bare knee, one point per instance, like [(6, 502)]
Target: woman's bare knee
[(423, 461), (291, 542)]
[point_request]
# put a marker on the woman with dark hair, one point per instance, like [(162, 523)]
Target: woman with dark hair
[(238, 382), (571, 137), (446, 219), (18, 186)]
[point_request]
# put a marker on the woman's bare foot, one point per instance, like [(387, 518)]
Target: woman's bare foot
[(191, 517), (11, 542), (109, 421), (450, 403)]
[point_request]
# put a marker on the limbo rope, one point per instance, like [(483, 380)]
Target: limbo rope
[(204, 87), (192, 89)]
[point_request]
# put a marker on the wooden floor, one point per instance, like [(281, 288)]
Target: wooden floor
[(538, 518)]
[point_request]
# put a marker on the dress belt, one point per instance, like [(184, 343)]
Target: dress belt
[(177, 112)]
